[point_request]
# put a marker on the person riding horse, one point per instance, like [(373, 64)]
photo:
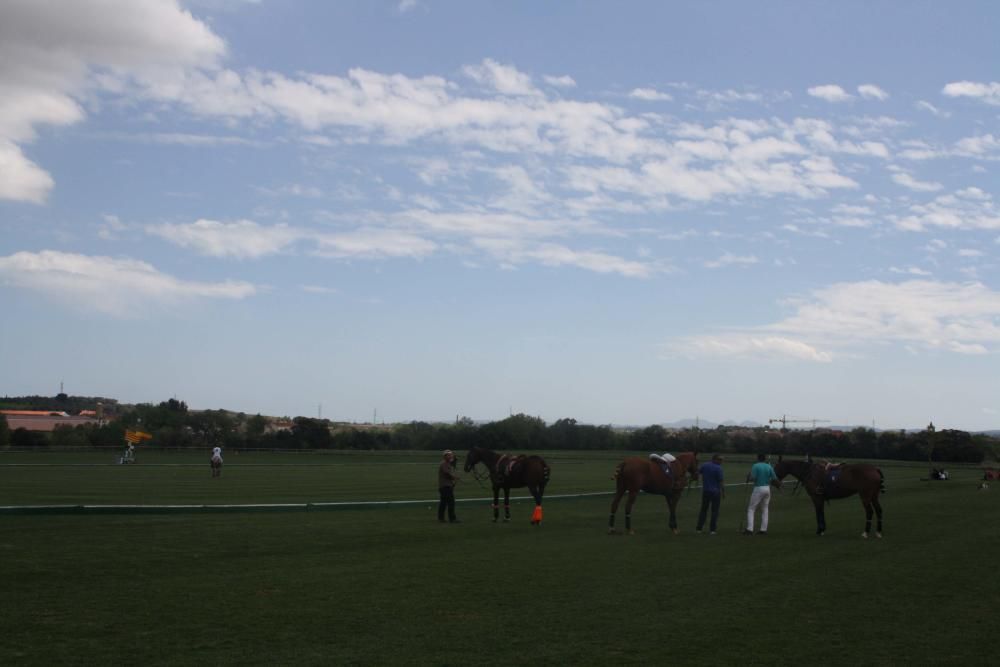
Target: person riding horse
[(216, 462)]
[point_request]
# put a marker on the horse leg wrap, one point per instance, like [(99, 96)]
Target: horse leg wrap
[(536, 516)]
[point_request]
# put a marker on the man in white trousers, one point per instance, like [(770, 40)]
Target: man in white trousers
[(761, 474)]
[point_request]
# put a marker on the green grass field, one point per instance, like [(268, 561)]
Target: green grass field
[(392, 586)]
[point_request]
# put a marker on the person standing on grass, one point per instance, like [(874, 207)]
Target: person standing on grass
[(762, 475), (446, 487), (712, 492)]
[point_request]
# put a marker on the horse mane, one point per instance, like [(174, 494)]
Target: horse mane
[(798, 468), (686, 459)]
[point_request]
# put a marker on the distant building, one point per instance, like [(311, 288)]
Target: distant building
[(279, 426), (44, 420)]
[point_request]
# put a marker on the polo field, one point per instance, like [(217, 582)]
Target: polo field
[(337, 558)]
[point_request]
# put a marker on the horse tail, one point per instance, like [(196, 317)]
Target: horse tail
[(546, 473), (881, 481)]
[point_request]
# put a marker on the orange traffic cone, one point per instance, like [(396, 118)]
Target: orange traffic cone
[(536, 516)]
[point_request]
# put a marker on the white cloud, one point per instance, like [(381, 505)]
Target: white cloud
[(730, 159), (649, 95), (525, 193), (981, 146), (505, 79), (729, 259), (564, 81), (550, 254), (872, 92), (986, 92), (479, 223), (851, 209), (966, 209), (20, 178), (318, 289), (406, 6), (120, 287), (830, 93), (245, 239), (926, 313), (919, 150), (717, 99), (745, 347), (111, 228), (927, 106), (242, 239), (51, 55), (298, 190), (370, 243), (514, 118), (184, 139), (908, 181), (820, 135), (910, 270), (963, 318)]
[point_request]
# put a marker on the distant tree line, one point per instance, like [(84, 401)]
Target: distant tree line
[(61, 402), (172, 425)]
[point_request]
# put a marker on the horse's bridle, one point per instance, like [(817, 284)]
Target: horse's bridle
[(478, 477)]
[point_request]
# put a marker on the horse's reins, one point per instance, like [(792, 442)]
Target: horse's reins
[(479, 478)]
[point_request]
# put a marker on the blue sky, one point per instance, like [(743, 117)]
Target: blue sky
[(617, 212)]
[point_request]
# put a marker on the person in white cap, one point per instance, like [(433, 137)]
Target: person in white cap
[(446, 487)]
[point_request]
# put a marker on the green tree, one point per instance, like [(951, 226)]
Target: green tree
[(256, 426), (313, 433), (4, 432), (517, 432), (22, 438), (651, 439), (563, 434), (68, 436), (415, 435), (213, 427)]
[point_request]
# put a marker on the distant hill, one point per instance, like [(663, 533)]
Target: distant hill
[(708, 425)]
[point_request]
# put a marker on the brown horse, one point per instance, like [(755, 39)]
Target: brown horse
[(824, 483), (636, 474), (507, 472)]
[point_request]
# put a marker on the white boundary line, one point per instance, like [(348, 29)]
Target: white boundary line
[(346, 504), (349, 504)]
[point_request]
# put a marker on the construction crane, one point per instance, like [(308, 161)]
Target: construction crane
[(784, 420)]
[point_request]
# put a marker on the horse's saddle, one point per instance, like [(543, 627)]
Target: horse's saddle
[(506, 464), (664, 464), (831, 474)]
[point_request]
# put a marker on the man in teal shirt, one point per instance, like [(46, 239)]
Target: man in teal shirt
[(761, 474)]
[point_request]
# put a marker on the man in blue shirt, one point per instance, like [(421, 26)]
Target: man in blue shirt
[(761, 474), (712, 492)]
